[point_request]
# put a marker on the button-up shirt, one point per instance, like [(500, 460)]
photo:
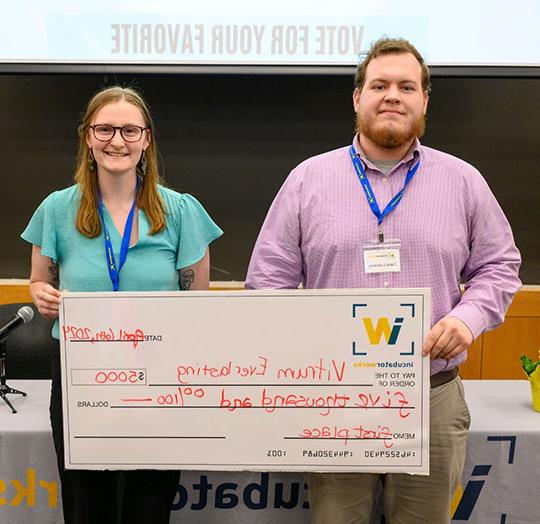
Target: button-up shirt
[(449, 224)]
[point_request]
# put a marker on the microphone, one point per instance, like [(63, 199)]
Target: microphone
[(24, 315)]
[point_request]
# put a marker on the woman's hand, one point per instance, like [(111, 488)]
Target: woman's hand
[(46, 299)]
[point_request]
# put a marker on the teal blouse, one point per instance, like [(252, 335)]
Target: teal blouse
[(152, 263)]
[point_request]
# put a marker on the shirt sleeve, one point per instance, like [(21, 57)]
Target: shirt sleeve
[(490, 276), (41, 230), (276, 261), (197, 231)]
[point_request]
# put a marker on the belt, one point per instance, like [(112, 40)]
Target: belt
[(443, 377)]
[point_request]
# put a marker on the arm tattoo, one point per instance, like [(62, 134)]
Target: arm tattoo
[(187, 278), (53, 270)]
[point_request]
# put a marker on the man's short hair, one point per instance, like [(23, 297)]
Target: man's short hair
[(391, 46)]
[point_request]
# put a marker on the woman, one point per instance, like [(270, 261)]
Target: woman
[(157, 239)]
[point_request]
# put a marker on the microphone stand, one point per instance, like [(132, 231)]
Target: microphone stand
[(4, 388)]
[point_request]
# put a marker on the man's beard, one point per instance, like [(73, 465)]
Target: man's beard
[(389, 137)]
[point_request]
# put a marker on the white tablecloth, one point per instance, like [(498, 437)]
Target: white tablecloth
[(499, 482)]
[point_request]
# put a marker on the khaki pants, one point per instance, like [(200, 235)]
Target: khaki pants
[(350, 498)]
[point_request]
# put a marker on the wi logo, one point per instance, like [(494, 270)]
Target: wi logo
[(383, 329)]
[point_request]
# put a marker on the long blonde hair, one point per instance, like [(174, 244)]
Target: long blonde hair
[(148, 198)]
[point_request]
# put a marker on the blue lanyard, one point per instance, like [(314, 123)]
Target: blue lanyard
[(114, 271), (370, 196)]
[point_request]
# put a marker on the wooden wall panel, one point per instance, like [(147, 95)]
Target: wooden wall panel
[(13, 293), (503, 347), (472, 368), (526, 303)]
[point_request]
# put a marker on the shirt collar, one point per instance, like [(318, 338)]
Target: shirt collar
[(412, 154)]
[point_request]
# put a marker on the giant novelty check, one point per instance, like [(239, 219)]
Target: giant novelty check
[(303, 380)]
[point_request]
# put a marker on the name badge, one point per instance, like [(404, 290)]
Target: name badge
[(382, 257)]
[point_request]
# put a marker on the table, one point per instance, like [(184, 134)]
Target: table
[(502, 468), (499, 481)]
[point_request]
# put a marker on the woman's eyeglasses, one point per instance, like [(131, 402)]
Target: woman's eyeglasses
[(105, 132)]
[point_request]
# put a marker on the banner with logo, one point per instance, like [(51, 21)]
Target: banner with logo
[(498, 484), (296, 380)]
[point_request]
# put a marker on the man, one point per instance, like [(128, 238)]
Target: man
[(437, 213)]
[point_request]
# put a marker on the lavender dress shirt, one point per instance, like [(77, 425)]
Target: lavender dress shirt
[(449, 223)]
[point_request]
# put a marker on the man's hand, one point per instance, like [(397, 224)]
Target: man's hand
[(447, 339)]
